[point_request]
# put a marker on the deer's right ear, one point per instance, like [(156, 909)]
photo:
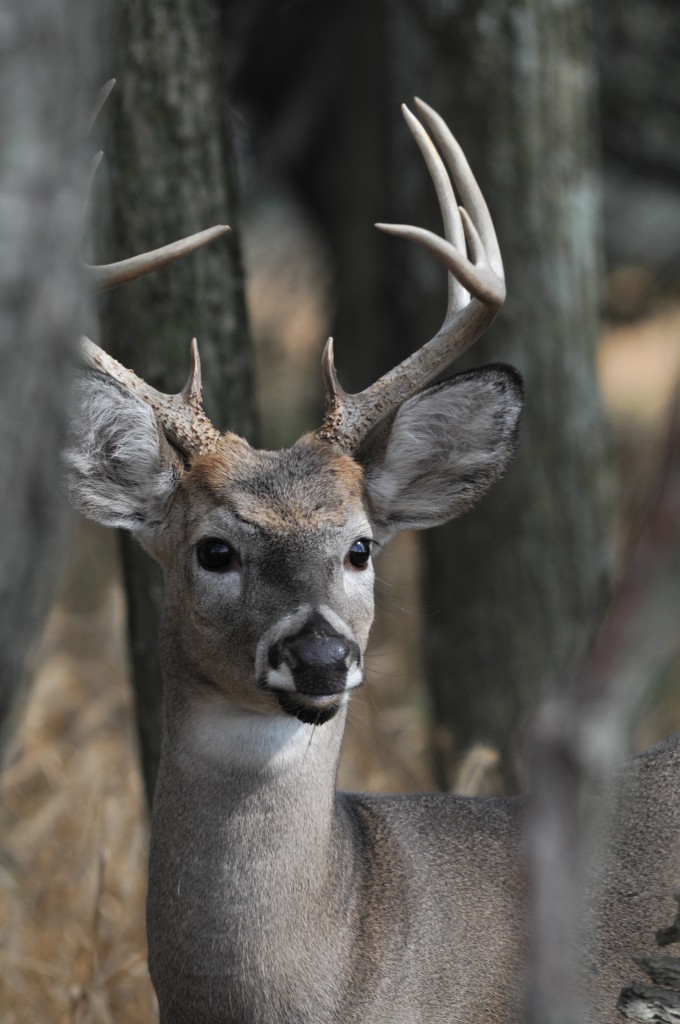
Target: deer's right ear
[(120, 469)]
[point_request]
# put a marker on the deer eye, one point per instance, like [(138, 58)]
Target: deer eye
[(217, 556), (360, 553)]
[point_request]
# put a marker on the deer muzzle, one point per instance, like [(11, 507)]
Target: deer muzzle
[(311, 661)]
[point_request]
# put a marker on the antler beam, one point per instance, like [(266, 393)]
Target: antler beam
[(469, 250)]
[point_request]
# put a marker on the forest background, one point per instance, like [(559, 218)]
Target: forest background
[(283, 120)]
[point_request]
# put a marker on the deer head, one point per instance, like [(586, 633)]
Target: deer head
[(268, 555)]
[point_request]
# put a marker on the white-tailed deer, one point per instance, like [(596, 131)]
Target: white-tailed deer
[(272, 897)]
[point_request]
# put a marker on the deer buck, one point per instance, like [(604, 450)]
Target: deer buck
[(273, 897)]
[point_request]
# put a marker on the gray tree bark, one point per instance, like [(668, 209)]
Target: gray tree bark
[(639, 61), (172, 173), (515, 590), (47, 85)]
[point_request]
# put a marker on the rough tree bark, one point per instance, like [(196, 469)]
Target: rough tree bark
[(47, 85), (515, 589), (170, 159)]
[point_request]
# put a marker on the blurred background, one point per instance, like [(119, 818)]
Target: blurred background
[(282, 119)]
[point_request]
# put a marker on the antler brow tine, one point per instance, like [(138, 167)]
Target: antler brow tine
[(181, 416), (475, 294)]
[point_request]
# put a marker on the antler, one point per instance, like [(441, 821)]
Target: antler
[(181, 416), (476, 290), (109, 275)]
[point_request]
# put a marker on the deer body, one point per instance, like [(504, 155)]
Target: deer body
[(272, 898)]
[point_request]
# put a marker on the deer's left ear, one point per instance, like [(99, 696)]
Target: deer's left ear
[(443, 450)]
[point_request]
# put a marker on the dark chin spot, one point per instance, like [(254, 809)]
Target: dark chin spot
[(293, 705)]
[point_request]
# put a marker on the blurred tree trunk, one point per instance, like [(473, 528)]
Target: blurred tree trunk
[(639, 61), (172, 173), (316, 90), (47, 86), (516, 588)]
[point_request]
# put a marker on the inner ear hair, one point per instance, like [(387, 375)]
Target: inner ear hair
[(121, 470), (443, 449)]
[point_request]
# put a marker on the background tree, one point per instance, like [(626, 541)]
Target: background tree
[(534, 565), (47, 85), (638, 50), (172, 173)]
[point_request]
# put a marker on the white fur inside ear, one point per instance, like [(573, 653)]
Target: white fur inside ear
[(119, 468), (445, 448)]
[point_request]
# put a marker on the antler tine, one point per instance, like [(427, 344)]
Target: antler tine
[(453, 225), (110, 275), (102, 97), (181, 416), (350, 418), (466, 183)]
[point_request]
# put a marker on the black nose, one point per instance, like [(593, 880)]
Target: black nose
[(318, 656)]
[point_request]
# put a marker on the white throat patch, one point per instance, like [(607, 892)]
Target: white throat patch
[(228, 736)]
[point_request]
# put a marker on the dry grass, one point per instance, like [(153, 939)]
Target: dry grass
[(75, 835)]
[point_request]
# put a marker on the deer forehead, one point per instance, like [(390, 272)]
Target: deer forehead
[(310, 486)]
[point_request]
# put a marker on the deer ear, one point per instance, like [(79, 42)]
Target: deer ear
[(443, 450), (120, 469)]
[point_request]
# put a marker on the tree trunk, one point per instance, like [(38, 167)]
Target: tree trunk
[(47, 85), (515, 589), (639, 60), (316, 89), (172, 173)]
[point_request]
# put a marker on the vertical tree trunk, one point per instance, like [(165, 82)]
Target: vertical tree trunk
[(516, 588), (171, 166), (47, 84), (639, 61), (317, 90)]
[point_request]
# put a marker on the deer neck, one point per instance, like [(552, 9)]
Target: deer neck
[(237, 778), (245, 831), (241, 762)]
